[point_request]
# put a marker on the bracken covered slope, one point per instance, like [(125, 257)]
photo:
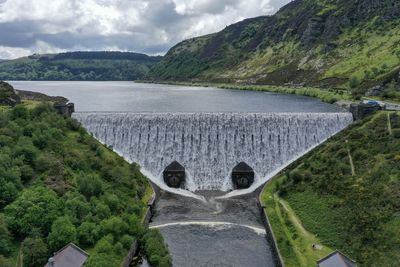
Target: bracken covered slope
[(346, 196), (323, 43)]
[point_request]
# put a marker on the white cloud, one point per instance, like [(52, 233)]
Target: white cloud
[(150, 26), (7, 52)]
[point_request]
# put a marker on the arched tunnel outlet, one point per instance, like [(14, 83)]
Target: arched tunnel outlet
[(242, 176), (174, 175)]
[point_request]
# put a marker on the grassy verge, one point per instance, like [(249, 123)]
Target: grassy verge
[(325, 95), (295, 243), (29, 104)]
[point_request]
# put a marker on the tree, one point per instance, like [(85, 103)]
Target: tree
[(76, 207), (114, 226), (36, 208), (99, 209), (392, 91), (88, 233), (26, 149), (62, 233), (104, 254), (355, 85), (5, 237), (20, 112), (8, 192), (354, 82), (35, 252)]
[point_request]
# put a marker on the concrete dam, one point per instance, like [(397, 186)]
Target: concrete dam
[(210, 145)]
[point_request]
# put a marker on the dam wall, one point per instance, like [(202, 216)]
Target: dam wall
[(210, 145)]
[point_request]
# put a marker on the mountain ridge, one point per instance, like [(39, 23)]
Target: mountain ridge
[(321, 43)]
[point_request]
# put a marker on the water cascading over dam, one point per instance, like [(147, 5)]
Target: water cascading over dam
[(210, 145)]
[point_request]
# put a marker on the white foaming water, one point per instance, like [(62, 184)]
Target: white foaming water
[(213, 224), (209, 145)]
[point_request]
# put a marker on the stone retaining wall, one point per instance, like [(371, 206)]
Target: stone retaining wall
[(270, 234)]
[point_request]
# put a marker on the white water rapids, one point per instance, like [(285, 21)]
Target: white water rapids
[(209, 145)]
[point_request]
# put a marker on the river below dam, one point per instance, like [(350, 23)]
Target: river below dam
[(206, 222), (213, 232)]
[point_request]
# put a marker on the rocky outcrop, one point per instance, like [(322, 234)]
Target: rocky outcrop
[(8, 96), (375, 91), (65, 109), (35, 96)]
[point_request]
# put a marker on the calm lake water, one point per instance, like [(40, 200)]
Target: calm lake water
[(138, 97)]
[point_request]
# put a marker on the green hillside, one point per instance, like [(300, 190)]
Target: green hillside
[(320, 43), (81, 66), (59, 185), (343, 195)]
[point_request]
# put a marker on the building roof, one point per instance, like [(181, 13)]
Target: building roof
[(69, 256), (175, 166), (336, 259), (242, 167)]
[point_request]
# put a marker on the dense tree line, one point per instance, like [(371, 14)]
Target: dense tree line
[(59, 185), (80, 66)]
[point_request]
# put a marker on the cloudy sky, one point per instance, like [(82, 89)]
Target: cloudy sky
[(147, 26)]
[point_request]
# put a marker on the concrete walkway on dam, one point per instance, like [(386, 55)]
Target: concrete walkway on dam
[(215, 232)]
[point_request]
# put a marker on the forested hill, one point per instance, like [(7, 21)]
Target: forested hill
[(327, 43), (60, 185), (79, 66)]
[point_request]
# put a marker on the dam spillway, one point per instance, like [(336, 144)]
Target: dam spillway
[(210, 145)]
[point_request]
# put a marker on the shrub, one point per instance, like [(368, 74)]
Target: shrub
[(26, 149), (19, 112), (8, 192), (88, 233), (76, 206), (99, 209), (35, 252), (156, 249), (27, 172), (34, 208), (62, 233), (114, 226), (90, 185), (127, 241), (42, 108), (5, 237)]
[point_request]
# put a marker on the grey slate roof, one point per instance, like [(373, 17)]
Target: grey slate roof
[(69, 256), (336, 259)]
